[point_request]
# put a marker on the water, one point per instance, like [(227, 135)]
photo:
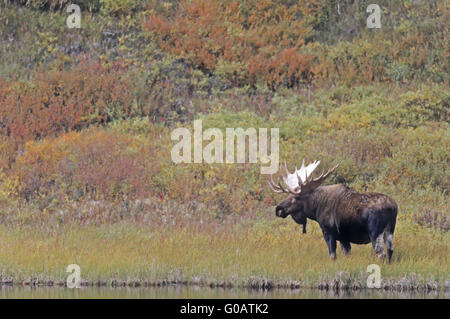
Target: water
[(189, 292)]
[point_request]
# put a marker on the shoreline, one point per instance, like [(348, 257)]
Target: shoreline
[(335, 284)]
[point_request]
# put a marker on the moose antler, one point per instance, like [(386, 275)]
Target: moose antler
[(301, 181), (278, 188)]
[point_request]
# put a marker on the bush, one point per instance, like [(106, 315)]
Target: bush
[(420, 158), (96, 164), (434, 219), (61, 101), (244, 42), (52, 5)]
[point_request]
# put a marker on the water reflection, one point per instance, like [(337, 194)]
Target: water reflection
[(202, 292)]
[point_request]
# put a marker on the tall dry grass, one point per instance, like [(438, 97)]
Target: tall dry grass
[(266, 253)]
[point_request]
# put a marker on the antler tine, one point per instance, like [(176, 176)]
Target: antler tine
[(271, 179), (330, 171), (288, 190), (312, 183), (322, 176), (308, 178), (285, 167), (300, 182), (277, 187), (274, 187), (281, 172)]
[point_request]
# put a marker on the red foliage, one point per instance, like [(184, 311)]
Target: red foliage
[(264, 38), (60, 101)]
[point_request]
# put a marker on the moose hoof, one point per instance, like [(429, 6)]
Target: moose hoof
[(381, 256), (333, 256)]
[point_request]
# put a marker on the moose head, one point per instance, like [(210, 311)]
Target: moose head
[(298, 185)]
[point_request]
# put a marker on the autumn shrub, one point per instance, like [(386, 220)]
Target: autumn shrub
[(97, 164), (420, 158), (408, 48), (113, 165), (358, 152), (120, 7), (170, 91), (346, 108), (239, 43), (53, 5), (433, 218), (9, 188), (425, 105), (114, 7), (35, 38), (285, 45), (243, 41), (60, 101)]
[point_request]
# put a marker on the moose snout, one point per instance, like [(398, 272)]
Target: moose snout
[(280, 211)]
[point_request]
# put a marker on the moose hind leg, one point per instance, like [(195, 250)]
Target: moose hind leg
[(377, 228), (377, 243), (388, 243)]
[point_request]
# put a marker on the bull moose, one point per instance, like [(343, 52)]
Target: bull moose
[(343, 214)]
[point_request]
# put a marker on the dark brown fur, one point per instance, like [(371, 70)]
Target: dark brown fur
[(345, 215)]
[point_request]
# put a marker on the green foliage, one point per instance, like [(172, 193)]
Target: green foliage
[(421, 157), (120, 7)]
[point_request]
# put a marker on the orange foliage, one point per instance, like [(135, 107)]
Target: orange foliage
[(97, 164), (106, 164), (60, 101), (263, 37)]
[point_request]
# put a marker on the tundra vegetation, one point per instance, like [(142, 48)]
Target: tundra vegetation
[(86, 114)]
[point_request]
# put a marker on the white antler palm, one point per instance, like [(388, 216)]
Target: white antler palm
[(301, 180)]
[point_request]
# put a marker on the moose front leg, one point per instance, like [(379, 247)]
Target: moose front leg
[(346, 247), (330, 239), (303, 223)]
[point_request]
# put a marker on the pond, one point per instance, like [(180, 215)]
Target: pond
[(192, 292)]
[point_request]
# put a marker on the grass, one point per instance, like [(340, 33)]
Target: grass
[(262, 254)]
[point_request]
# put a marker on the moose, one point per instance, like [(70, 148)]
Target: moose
[(343, 214)]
